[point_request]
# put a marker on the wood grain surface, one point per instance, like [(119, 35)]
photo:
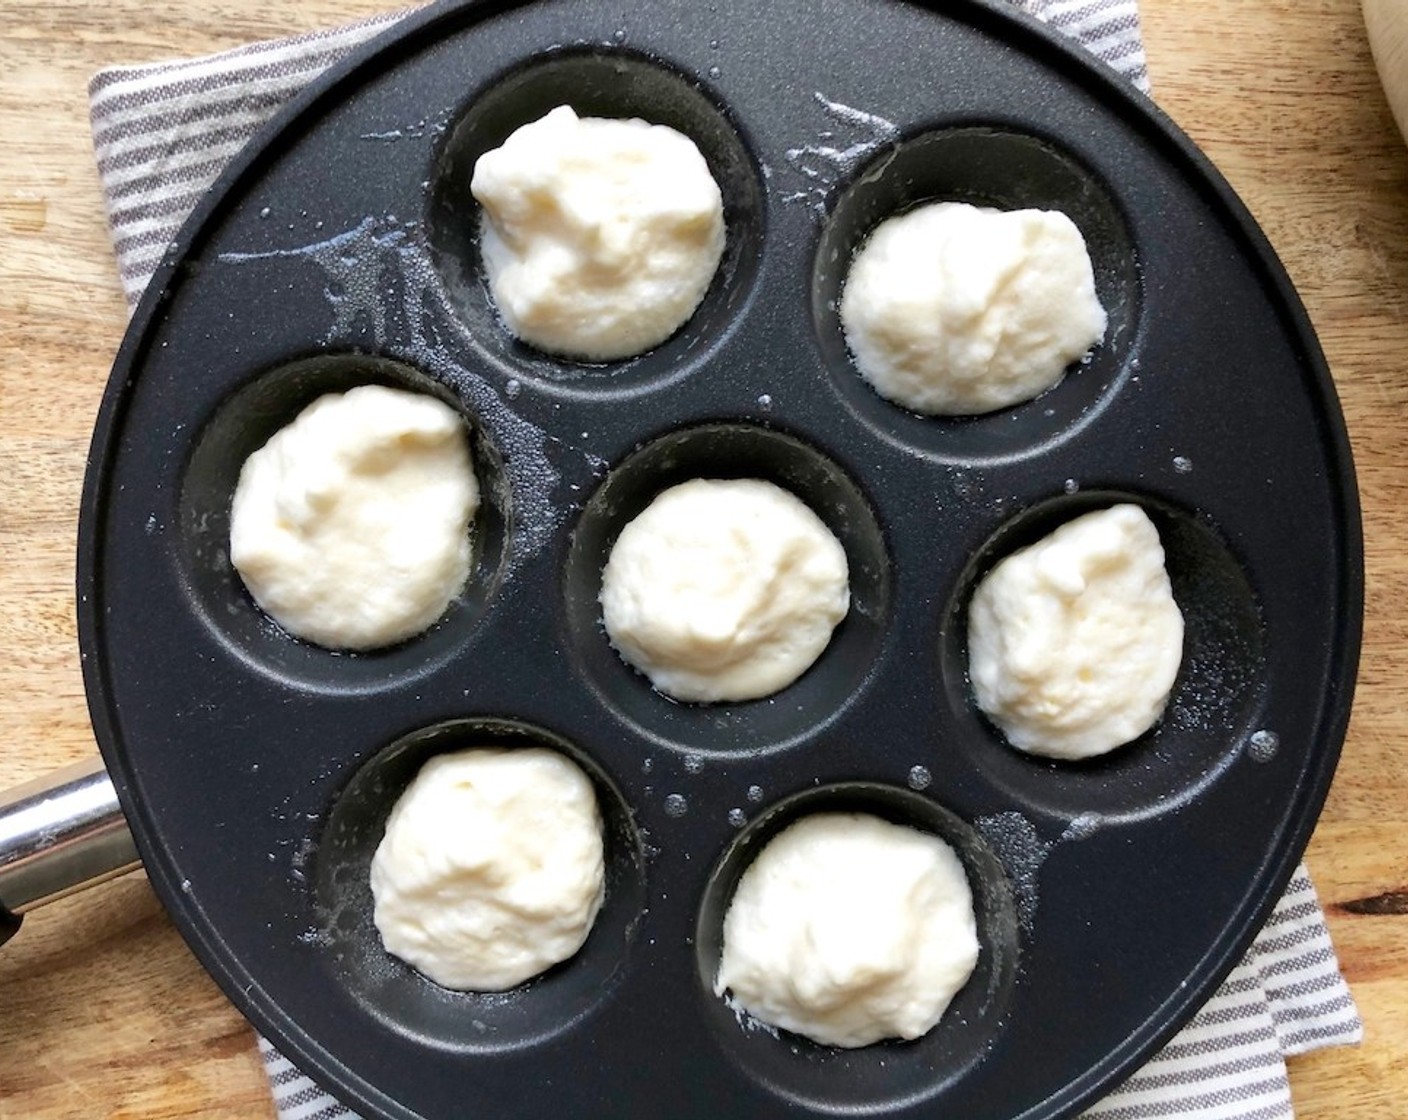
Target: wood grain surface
[(103, 1011)]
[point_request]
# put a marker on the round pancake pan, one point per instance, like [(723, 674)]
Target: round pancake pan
[(257, 770)]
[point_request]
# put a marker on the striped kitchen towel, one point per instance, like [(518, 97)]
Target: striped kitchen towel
[(162, 133)]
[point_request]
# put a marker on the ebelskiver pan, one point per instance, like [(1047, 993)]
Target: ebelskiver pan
[(255, 771)]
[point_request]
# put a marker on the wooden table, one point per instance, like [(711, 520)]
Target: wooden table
[(103, 1011)]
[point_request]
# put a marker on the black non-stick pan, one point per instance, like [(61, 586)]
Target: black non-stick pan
[(256, 771)]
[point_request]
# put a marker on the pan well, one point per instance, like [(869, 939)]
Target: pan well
[(1007, 169), (731, 451), (873, 1077), (596, 82), (398, 996), (243, 423), (1215, 700)]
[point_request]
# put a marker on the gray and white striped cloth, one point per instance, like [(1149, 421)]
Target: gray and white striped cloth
[(162, 133)]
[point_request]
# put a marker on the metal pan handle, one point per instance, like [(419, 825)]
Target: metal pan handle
[(59, 834)]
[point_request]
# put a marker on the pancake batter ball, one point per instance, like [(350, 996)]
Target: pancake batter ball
[(952, 309), (492, 867), (724, 589), (600, 236), (1074, 642), (350, 527), (849, 929)]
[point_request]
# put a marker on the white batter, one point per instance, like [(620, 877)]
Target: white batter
[(1074, 643), (724, 590), (849, 929), (953, 309), (492, 868), (601, 237), (350, 527)]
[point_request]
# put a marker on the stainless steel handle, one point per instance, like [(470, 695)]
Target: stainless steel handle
[(59, 834)]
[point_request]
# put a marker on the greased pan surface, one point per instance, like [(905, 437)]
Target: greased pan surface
[(256, 770)]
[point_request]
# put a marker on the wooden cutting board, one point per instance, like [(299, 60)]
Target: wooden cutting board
[(103, 1012)]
